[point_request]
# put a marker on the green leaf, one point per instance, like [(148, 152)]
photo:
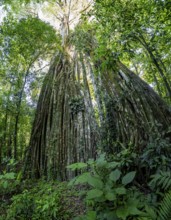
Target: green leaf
[(101, 161), (90, 162), (108, 184), (134, 211), (132, 206), (9, 176), (91, 215), (72, 181), (75, 166), (45, 207), (95, 182), (83, 178), (111, 196), (115, 175), (112, 165), (122, 212), (5, 184), (150, 212), (120, 190), (94, 193), (1, 177), (110, 215), (128, 178)]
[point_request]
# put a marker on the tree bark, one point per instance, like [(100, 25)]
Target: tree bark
[(63, 126), (138, 110), (65, 129)]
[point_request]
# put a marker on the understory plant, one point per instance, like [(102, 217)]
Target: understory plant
[(111, 192), (116, 189), (46, 200)]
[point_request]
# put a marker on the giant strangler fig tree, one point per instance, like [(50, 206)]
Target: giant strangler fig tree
[(87, 101)]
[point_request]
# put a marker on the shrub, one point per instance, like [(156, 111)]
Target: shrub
[(9, 182), (47, 200), (111, 193)]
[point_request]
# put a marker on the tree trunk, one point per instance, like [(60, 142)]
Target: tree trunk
[(138, 111), (18, 111), (65, 129)]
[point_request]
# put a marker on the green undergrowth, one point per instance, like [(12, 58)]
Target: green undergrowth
[(128, 185), (39, 200)]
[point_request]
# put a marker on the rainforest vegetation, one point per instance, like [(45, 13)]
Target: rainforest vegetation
[(85, 103)]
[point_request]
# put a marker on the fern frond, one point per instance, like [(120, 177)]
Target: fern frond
[(164, 212), (162, 180)]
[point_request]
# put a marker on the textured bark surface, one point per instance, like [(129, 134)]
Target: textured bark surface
[(64, 130), (79, 111), (134, 111)]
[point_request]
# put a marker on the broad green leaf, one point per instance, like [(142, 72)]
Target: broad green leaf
[(83, 178), (45, 207), (95, 182), (94, 193), (111, 196), (110, 215), (1, 177), (72, 181), (128, 178), (120, 190), (5, 184), (132, 206), (122, 212), (115, 175), (10, 176), (108, 185), (75, 166), (112, 165), (134, 211)]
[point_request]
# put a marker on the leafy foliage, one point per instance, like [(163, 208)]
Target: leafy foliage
[(164, 212), (137, 32), (161, 180), (110, 194), (117, 185), (8, 182), (46, 200), (26, 43), (115, 191)]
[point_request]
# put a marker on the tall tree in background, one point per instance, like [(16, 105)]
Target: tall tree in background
[(66, 128), (24, 44), (90, 100)]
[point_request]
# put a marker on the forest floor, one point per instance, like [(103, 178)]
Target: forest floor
[(18, 200)]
